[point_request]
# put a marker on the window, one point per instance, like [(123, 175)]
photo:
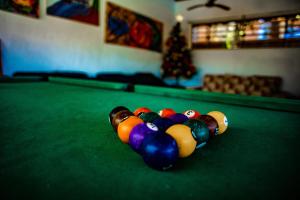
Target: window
[(278, 31)]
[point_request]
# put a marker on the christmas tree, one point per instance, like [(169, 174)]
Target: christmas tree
[(177, 62)]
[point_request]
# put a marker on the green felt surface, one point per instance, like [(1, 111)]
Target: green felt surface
[(56, 142)]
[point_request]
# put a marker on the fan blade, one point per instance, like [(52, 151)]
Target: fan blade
[(222, 6), (195, 6)]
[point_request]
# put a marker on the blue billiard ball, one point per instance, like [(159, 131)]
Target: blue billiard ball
[(163, 123), (160, 151)]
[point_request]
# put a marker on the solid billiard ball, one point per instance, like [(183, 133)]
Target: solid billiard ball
[(166, 112), (126, 126), (183, 136), (141, 110), (149, 116), (160, 151), (138, 134), (200, 131), (163, 123), (221, 119), (119, 117), (178, 118), (114, 111), (192, 114), (211, 123)]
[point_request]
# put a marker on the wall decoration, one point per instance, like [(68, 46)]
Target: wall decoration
[(125, 27), (86, 11), (25, 7)]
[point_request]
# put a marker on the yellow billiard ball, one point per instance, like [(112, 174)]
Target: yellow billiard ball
[(221, 119), (184, 139)]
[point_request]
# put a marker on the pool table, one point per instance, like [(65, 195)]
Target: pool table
[(56, 142)]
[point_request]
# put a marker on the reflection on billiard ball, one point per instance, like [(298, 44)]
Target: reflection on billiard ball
[(200, 131), (221, 119), (141, 110), (138, 134), (183, 136), (160, 151), (126, 126), (119, 117), (114, 111), (149, 116), (211, 123)]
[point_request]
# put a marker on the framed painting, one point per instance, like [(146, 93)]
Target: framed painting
[(86, 11), (127, 28), (24, 7)]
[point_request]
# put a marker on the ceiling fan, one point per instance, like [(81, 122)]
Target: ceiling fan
[(208, 4)]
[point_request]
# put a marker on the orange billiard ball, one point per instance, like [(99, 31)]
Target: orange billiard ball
[(126, 126)]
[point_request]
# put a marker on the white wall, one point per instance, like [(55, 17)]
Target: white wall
[(284, 62), (52, 43)]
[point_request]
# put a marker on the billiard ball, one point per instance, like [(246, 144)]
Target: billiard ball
[(149, 116), (114, 111), (163, 123), (119, 117), (160, 151), (166, 112), (141, 110), (221, 119), (138, 134), (200, 131), (192, 114), (126, 126), (211, 123), (183, 136), (178, 118)]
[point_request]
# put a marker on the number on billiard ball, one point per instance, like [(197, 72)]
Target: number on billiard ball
[(192, 114)]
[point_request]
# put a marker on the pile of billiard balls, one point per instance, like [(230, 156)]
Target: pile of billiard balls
[(161, 138)]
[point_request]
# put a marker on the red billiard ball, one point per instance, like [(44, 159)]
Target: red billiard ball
[(141, 110), (166, 112), (192, 114)]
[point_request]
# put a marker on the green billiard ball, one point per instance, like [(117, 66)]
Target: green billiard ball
[(200, 131)]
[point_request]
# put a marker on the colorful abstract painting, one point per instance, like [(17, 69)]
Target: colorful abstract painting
[(25, 7), (86, 11), (125, 27)]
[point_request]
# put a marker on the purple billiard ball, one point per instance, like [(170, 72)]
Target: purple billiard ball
[(139, 132), (178, 118)]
